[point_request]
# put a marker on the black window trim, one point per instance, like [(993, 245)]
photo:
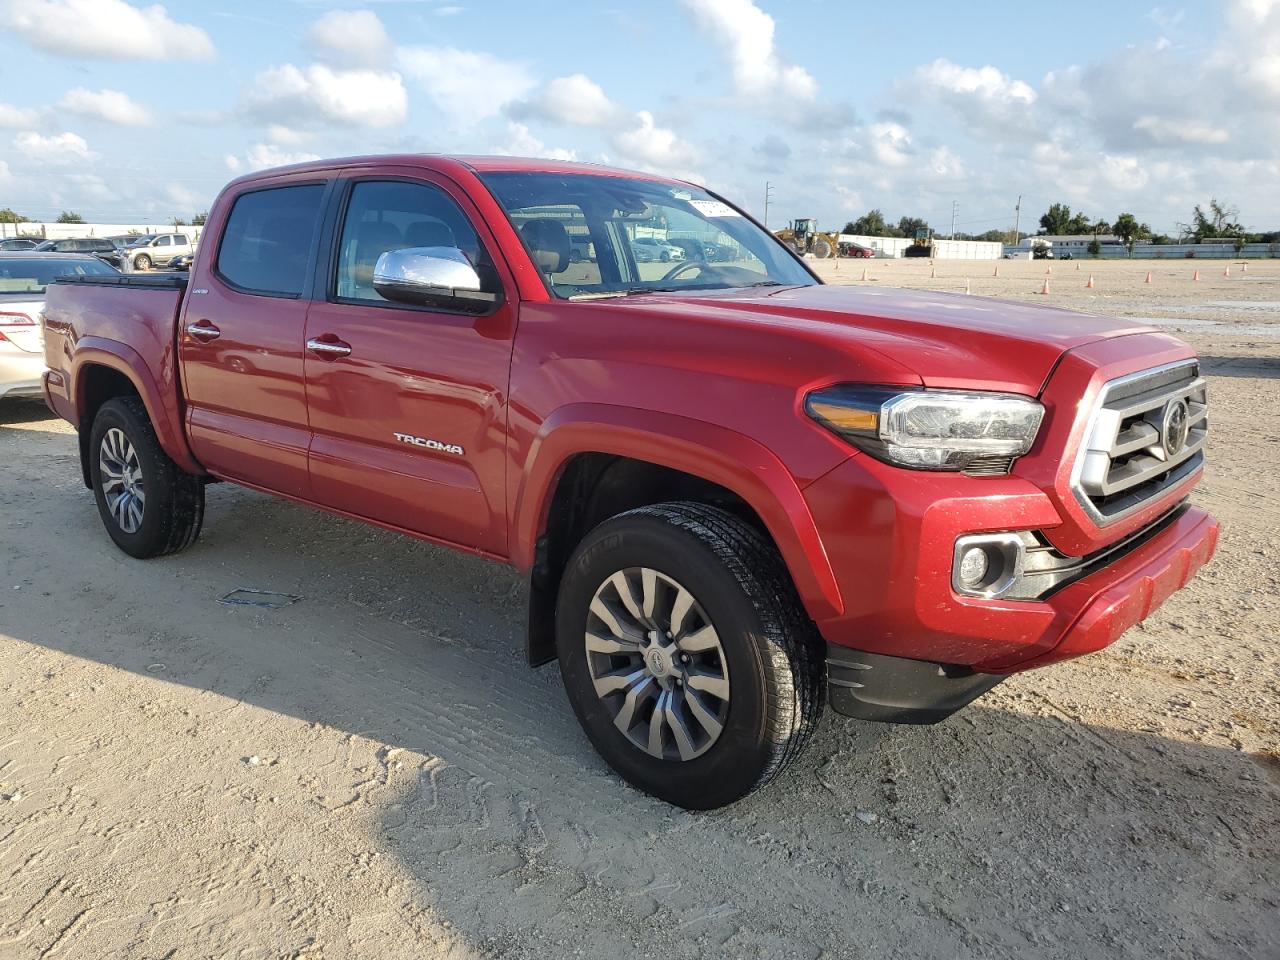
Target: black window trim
[(342, 206), (326, 182)]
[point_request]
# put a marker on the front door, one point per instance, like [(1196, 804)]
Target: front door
[(242, 338), (408, 404)]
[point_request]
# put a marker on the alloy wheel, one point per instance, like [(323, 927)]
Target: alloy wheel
[(657, 664), (122, 485)]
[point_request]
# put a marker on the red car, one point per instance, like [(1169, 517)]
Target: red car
[(738, 494), (856, 250)]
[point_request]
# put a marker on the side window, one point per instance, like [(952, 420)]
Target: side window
[(164, 241), (386, 215), (268, 239)]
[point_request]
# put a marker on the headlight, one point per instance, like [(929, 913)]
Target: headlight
[(931, 429)]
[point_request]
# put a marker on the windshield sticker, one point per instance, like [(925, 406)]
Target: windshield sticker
[(682, 194), (713, 208)]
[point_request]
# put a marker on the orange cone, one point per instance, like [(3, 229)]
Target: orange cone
[(966, 287), (1244, 268), (1148, 280), (1044, 291), (1227, 272), (1048, 271), (1089, 285), (1077, 268), (1195, 277)]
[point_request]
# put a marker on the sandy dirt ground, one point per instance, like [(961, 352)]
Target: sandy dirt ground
[(372, 771)]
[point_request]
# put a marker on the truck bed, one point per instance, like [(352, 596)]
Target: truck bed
[(127, 324)]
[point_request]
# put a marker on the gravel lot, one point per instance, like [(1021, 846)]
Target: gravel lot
[(372, 771)]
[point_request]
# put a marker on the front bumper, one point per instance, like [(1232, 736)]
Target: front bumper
[(893, 554)]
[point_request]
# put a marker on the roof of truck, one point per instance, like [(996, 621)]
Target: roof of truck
[(444, 163)]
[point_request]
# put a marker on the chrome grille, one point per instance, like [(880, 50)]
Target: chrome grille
[(1145, 438)]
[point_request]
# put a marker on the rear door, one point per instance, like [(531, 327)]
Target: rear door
[(408, 404), (242, 333)]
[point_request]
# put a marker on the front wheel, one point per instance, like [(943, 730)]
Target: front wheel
[(148, 504), (143, 262), (686, 655)]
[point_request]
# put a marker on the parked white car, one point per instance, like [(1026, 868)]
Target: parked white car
[(23, 279), (156, 250), (650, 249)]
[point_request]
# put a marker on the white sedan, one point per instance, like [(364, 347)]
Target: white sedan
[(23, 279)]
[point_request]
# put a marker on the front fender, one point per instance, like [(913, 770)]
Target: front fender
[(713, 453), (160, 398)]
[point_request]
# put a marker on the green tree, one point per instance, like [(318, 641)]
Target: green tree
[(178, 222), (1057, 220), (70, 216), (1129, 230), (200, 219), (912, 227), (871, 224), (1219, 221), (8, 216)]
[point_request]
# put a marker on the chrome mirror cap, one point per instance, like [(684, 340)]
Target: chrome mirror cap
[(432, 267)]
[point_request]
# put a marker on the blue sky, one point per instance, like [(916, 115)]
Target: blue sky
[(132, 112)]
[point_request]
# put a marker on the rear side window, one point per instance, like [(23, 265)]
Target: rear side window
[(268, 239)]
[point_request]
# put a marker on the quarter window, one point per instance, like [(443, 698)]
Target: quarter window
[(268, 239), (383, 216)]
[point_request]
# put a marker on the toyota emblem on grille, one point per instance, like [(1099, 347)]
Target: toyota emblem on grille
[(1176, 426)]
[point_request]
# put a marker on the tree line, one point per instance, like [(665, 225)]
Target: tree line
[(1217, 221), (70, 216)]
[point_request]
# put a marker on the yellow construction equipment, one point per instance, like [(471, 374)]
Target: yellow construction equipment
[(803, 237)]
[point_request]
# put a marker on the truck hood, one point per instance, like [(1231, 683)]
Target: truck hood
[(947, 340)]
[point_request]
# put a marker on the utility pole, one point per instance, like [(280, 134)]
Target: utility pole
[(955, 208), (1017, 221), (768, 193)]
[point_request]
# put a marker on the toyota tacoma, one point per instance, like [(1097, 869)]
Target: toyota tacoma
[(739, 494)]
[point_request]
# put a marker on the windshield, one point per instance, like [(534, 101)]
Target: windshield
[(34, 275), (610, 236)]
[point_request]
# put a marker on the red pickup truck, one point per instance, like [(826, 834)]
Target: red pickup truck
[(739, 494)]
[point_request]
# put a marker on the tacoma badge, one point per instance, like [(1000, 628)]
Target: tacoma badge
[(453, 448)]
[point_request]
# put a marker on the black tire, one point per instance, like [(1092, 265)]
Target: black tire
[(143, 262), (173, 507), (772, 651), (666, 257)]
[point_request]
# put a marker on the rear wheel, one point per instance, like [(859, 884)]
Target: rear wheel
[(686, 654), (148, 504), (143, 262)]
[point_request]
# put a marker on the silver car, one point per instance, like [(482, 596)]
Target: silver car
[(651, 249)]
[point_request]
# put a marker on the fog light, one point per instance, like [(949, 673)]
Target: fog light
[(987, 564), (973, 566)]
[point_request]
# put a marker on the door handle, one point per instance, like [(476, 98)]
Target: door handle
[(329, 349), (204, 331)]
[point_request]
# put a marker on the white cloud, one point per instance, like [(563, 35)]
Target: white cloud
[(109, 105), (467, 85), (56, 150), (521, 142), (746, 33), (658, 149), (286, 136), (104, 30), (1165, 131), (890, 144), (575, 99), (985, 83), (352, 38), (263, 155), (11, 116), (988, 101), (321, 94)]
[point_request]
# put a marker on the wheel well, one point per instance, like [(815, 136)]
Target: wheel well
[(100, 385), (592, 488)]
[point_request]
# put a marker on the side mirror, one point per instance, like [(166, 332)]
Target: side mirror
[(434, 277)]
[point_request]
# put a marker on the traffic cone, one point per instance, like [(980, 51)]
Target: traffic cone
[(864, 274), (933, 274), (1148, 280), (1195, 277), (966, 287), (1227, 272), (1044, 291), (996, 271), (1089, 285), (1244, 268), (1048, 271), (1077, 268)]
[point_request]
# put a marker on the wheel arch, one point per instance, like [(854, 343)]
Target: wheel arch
[(591, 461), (107, 369)]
